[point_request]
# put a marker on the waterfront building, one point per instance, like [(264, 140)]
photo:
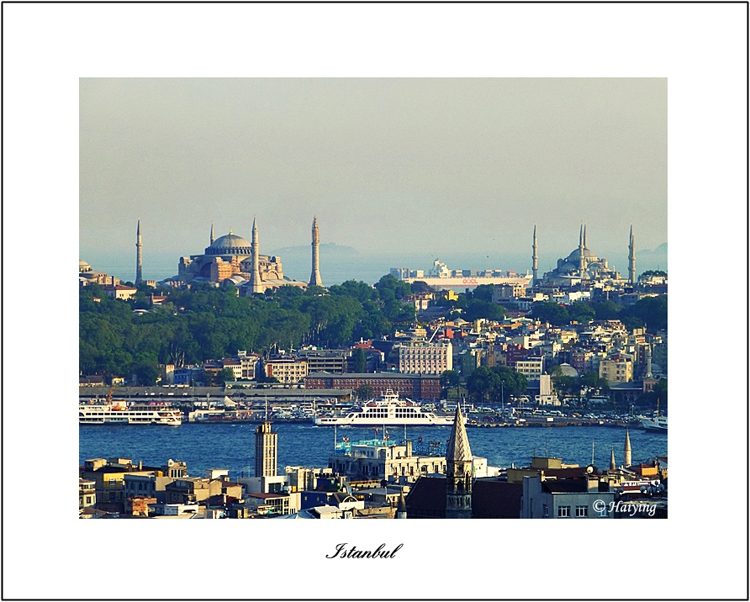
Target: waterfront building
[(286, 370), (425, 358), (324, 360), (413, 386), (266, 450)]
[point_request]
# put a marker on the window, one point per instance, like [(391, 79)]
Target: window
[(563, 511), (545, 511), (582, 511)]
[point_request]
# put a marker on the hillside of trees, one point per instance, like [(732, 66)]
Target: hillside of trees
[(205, 322)]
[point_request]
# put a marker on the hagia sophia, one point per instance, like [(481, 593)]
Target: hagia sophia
[(231, 258)]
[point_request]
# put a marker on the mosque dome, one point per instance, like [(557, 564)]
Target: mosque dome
[(575, 256), (229, 244), (567, 370), (83, 266)]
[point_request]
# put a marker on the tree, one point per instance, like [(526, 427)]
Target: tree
[(359, 360), (580, 311), (363, 392), (549, 311), (224, 375), (449, 379), (147, 373), (592, 382), (495, 384)]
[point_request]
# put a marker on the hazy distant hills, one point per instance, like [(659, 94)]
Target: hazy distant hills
[(327, 248)]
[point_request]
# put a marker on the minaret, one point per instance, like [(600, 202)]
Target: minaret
[(628, 453), (648, 361), (212, 234), (138, 256), (631, 258), (315, 279), (266, 450), (534, 260), (401, 509), (612, 463), (459, 469), (255, 284), (580, 251)]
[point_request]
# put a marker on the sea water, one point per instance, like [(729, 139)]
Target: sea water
[(232, 446)]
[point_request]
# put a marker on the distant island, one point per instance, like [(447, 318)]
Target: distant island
[(327, 248)]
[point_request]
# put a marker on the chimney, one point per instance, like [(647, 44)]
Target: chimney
[(140, 464)]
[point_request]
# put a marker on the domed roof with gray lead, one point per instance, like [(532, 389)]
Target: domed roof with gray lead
[(229, 244)]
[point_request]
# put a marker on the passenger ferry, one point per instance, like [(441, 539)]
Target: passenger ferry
[(656, 424), (386, 410), (114, 413)]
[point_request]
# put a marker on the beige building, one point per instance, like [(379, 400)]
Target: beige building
[(120, 291), (618, 370), (86, 493), (287, 371), (425, 358), (531, 367), (190, 490)]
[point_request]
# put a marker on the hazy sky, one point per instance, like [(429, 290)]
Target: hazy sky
[(388, 165)]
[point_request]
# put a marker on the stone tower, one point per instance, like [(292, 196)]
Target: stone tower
[(315, 279), (138, 256), (628, 451), (266, 450), (255, 284), (459, 469), (534, 260), (631, 258)]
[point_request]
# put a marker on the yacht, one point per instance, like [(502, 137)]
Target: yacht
[(388, 409), (119, 413)]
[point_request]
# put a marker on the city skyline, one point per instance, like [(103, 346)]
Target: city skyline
[(434, 166)]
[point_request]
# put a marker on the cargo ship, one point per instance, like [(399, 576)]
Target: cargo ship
[(442, 277)]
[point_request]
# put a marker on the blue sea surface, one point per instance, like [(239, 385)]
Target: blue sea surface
[(232, 446)]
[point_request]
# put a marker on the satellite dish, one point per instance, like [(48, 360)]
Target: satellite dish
[(589, 469)]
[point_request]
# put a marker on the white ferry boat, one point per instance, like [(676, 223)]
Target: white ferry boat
[(114, 413), (386, 410), (658, 424)]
